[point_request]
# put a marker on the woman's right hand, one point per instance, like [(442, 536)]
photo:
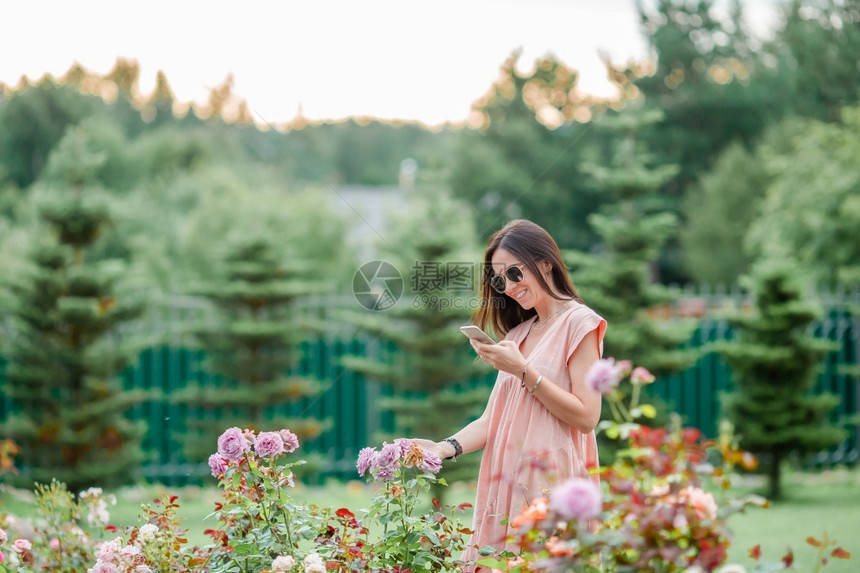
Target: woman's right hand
[(441, 449)]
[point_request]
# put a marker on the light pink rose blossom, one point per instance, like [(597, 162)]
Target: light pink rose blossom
[(577, 498), (431, 463), (383, 474), (102, 567), (218, 465), (54, 543), (108, 550), (603, 376), (232, 444), (641, 375), (701, 501), (365, 457), (405, 445), (269, 444), (388, 456), (291, 441), (22, 545), (3, 537)]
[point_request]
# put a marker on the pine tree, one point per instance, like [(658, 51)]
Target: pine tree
[(774, 363), (251, 346), (67, 348), (620, 282), (427, 363)]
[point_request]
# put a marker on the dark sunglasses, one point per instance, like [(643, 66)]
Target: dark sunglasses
[(513, 273)]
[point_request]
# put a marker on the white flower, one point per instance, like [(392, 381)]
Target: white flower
[(283, 563), (98, 514), (92, 492), (732, 568), (314, 563), (148, 531)]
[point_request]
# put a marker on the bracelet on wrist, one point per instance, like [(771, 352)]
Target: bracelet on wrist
[(458, 449), (536, 385), (523, 377)]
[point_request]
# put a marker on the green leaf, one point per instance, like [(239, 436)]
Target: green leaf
[(493, 563)]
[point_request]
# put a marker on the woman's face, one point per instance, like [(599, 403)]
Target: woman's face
[(525, 292)]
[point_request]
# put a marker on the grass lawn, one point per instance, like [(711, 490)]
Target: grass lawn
[(815, 503)]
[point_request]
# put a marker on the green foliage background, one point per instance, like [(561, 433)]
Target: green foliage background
[(761, 134)]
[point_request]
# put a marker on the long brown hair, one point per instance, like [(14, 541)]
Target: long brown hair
[(530, 244)]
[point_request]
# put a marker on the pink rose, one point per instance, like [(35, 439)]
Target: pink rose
[(431, 464), (405, 445), (383, 474), (577, 498), (291, 441), (102, 567), (54, 543), (365, 458), (603, 376), (232, 444), (641, 375), (218, 465), (388, 456), (3, 537), (22, 545), (701, 501), (269, 445)]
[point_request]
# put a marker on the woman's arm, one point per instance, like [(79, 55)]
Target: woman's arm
[(579, 408), (472, 437)]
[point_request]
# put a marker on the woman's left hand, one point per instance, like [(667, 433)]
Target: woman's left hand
[(504, 356)]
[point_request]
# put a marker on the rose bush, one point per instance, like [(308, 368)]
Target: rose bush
[(258, 525), (653, 512)]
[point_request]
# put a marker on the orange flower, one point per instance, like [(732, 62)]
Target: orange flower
[(556, 548), (533, 513)]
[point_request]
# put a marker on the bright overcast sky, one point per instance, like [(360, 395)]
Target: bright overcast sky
[(394, 59)]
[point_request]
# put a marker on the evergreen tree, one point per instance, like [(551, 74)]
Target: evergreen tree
[(775, 361), (817, 49), (524, 161), (33, 120), (68, 348), (620, 282), (426, 362), (251, 346)]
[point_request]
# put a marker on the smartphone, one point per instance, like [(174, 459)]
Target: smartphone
[(473, 331)]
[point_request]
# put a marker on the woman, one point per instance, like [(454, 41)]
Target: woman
[(537, 429)]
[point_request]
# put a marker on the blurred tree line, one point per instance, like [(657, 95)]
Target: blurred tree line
[(748, 153)]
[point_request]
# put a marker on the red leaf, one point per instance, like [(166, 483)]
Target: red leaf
[(788, 559), (814, 542), (344, 512), (755, 552), (436, 503), (110, 528), (840, 553)]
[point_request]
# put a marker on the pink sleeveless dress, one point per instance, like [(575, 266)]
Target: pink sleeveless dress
[(528, 449)]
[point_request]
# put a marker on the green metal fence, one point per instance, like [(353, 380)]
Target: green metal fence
[(352, 403)]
